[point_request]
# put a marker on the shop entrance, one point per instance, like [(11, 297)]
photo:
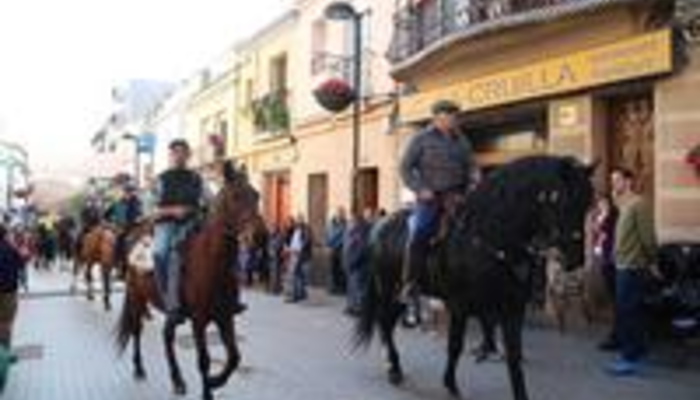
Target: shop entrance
[(503, 135), (630, 138)]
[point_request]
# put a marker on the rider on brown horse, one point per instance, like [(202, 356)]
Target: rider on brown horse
[(124, 214), (437, 166), (180, 198)]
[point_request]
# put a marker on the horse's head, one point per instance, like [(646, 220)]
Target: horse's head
[(237, 202), (564, 207)]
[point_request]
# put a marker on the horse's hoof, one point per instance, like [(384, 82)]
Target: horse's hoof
[(453, 388), (180, 389), (140, 375), (396, 377)]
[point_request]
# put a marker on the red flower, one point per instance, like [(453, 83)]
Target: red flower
[(335, 95), (693, 157)]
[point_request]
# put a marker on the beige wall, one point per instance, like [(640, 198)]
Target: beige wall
[(205, 110), (254, 65), (377, 38), (677, 129), (326, 147)]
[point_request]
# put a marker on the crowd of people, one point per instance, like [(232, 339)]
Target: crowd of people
[(280, 257)]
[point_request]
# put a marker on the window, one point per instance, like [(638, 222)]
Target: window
[(249, 93), (319, 35), (278, 74)]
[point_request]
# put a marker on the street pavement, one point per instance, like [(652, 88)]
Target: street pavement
[(301, 352)]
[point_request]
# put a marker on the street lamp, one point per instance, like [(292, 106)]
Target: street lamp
[(342, 11), (137, 156)]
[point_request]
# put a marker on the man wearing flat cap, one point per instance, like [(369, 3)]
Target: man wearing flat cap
[(436, 165)]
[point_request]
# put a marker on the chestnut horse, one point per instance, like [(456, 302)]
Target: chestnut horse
[(96, 248), (209, 284)]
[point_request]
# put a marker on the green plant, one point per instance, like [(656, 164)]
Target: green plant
[(271, 112)]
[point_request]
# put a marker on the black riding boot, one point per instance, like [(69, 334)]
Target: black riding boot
[(414, 264)]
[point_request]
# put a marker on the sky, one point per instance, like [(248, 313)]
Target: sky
[(60, 59)]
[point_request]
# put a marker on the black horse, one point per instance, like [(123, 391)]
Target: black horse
[(484, 257)]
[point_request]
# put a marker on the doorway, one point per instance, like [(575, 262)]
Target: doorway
[(368, 189), (318, 204), (277, 197), (630, 139)]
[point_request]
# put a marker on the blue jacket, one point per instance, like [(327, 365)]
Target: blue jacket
[(334, 234)]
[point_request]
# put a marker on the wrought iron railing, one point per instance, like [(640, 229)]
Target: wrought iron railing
[(421, 24), (335, 65)]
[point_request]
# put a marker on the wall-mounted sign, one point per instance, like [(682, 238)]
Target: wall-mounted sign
[(638, 57)]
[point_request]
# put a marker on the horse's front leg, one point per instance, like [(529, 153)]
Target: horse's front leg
[(388, 320), (203, 359), (88, 282), (512, 337), (106, 287), (75, 277), (455, 346), (139, 370), (179, 385)]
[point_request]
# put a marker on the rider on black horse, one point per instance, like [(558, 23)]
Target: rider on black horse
[(438, 167)]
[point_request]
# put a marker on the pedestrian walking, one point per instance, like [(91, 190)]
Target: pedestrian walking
[(635, 252), (275, 258), (300, 253), (335, 231)]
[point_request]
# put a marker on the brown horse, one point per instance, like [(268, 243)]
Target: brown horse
[(96, 248), (209, 284)]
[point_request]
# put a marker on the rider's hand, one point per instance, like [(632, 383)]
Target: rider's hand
[(425, 195), (179, 212)]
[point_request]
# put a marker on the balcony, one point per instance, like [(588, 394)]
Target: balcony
[(331, 65), (271, 113), (425, 25)]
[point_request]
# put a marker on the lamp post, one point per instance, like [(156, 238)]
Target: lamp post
[(342, 11), (137, 156)]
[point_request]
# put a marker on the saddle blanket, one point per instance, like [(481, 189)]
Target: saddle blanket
[(141, 255)]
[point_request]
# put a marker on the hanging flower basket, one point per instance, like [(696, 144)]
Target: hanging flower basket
[(693, 158), (335, 95)]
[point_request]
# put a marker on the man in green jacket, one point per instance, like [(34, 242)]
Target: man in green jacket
[(635, 254)]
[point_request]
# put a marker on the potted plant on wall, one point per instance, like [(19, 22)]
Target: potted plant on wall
[(693, 158), (335, 95)]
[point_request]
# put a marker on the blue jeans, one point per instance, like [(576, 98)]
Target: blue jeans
[(297, 278), (423, 225), (168, 264), (630, 327), (424, 221)]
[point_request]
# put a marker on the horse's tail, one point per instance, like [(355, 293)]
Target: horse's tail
[(129, 322), (367, 318)]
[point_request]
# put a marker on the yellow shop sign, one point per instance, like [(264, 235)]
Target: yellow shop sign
[(641, 56)]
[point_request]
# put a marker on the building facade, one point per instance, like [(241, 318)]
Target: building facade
[(533, 77), (263, 116), (120, 144), (209, 111), (323, 175)]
